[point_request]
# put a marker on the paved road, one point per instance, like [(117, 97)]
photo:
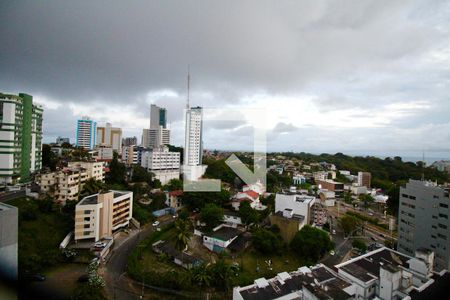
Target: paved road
[(118, 285), (12, 195)]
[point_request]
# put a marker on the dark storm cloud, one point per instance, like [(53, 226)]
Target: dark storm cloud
[(111, 59)]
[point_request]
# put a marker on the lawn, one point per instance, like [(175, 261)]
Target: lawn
[(40, 233), (254, 265)]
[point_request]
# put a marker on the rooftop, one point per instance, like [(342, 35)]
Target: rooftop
[(92, 199), (437, 290), (367, 267), (225, 233), (320, 281)]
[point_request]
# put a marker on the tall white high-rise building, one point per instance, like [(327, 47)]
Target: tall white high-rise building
[(193, 148)]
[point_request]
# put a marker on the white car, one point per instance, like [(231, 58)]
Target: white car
[(156, 223), (99, 245), (334, 231), (332, 252)]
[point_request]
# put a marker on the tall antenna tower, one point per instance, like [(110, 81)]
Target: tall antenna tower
[(188, 87)]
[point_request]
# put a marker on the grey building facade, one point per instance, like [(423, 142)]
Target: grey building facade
[(8, 241), (423, 221)]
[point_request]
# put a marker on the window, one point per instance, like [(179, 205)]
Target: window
[(87, 233), (443, 205), (442, 226), (87, 212), (87, 219), (442, 236), (434, 217), (443, 216), (86, 226)]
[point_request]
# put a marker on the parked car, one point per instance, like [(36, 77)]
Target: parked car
[(156, 223), (99, 245)]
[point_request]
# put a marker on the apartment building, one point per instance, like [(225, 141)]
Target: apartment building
[(193, 149), (99, 215), (364, 179), (331, 185), (20, 138), (163, 163), (129, 141), (8, 242), (67, 183), (155, 137), (298, 204), (109, 136), (86, 133), (423, 220), (132, 155)]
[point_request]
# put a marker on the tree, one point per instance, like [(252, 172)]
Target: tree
[(349, 224), (91, 186), (359, 244), (348, 197), (173, 185), (366, 199), (195, 200), (117, 171), (311, 243), (182, 234), (248, 215), (140, 174), (211, 215), (201, 275), (266, 242), (49, 158), (221, 273)]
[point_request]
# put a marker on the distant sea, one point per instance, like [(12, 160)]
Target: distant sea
[(430, 157)]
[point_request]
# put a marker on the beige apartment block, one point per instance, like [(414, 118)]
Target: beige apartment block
[(65, 184), (99, 215)]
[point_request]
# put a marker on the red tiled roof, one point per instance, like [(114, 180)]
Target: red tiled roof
[(176, 193), (252, 194)]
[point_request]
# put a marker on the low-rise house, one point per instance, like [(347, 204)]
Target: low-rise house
[(99, 215), (173, 199), (232, 218), (249, 196), (299, 179), (327, 197), (358, 190), (220, 238), (180, 258), (257, 187)]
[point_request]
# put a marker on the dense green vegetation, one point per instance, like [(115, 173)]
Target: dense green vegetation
[(311, 243), (42, 227)]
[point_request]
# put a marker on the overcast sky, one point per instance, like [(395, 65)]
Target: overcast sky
[(351, 76)]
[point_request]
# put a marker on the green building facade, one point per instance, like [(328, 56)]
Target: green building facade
[(20, 138)]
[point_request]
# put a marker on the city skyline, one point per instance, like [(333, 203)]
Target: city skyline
[(373, 76)]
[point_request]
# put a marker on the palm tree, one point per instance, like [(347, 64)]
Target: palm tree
[(222, 272), (202, 275), (183, 234)]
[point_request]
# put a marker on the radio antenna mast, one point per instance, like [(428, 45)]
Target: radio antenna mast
[(188, 87)]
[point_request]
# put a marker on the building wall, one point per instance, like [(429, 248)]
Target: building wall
[(20, 138), (424, 221), (110, 137), (8, 241), (86, 133), (193, 137), (99, 220), (288, 227)]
